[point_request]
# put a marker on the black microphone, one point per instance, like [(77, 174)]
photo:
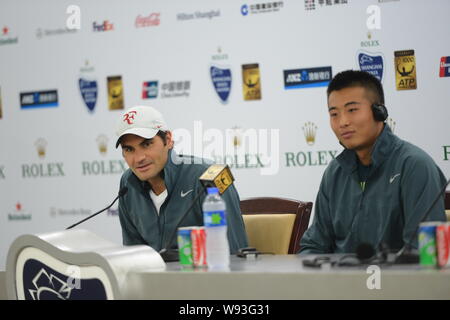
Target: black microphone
[(405, 254), (122, 192), (365, 252), (216, 175)]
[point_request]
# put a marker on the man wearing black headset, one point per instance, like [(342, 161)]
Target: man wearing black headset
[(378, 189)]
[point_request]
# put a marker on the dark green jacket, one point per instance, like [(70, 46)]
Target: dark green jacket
[(140, 221), (401, 186)]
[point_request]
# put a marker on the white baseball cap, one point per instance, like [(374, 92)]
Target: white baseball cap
[(143, 121)]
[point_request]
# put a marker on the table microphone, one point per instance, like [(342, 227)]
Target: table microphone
[(216, 175), (122, 192)]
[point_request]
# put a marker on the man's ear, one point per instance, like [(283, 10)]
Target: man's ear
[(169, 139)]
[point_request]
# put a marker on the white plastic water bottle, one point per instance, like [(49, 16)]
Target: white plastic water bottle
[(214, 218)]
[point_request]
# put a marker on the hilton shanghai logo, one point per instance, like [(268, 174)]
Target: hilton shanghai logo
[(198, 15), (371, 63), (39, 99), (307, 78), (444, 68)]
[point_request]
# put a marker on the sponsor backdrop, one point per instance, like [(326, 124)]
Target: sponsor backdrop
[(242, 82)]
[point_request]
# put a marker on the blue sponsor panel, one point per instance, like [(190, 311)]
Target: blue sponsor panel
[(221, 79), (89, 92), (371, 63), (39, 99), (307, 78)]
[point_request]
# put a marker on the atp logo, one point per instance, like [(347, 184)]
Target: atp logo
[(129, 117)]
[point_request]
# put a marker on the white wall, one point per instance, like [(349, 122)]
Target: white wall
[(174, 51)]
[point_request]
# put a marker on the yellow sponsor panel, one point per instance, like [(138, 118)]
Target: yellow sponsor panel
[(251, 81), (115, 93), (405, 70)]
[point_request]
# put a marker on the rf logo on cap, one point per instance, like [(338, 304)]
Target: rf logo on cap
[(129, 116)]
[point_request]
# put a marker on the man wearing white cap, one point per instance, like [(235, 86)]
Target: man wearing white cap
[(162, 184)]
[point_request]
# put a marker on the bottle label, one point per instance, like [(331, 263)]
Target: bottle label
[(214, 219)]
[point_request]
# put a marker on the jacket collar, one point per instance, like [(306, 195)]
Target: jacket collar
[(383, 147), (170, 174)]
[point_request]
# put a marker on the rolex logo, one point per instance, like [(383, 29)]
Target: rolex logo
[(391, 123), (41, 144), (102, 142), (309, 130)]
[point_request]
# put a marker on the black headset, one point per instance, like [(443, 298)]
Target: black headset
[(380, 112)]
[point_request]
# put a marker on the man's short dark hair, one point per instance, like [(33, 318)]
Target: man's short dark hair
[(163, 136), (356, 78)]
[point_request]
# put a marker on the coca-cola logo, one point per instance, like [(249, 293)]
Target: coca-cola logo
[(149, 21), (442, 239)]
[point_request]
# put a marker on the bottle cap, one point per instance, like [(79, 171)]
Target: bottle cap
[(213, 190)]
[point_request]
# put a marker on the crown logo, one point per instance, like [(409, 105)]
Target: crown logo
[(391, 123), (309, 130), (369, 35), (102, 142), (237, 136), (41, 144)]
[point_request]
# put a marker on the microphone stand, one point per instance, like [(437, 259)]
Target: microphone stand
[(93, 215)]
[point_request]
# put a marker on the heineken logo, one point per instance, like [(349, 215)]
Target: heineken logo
[(19, 214)]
